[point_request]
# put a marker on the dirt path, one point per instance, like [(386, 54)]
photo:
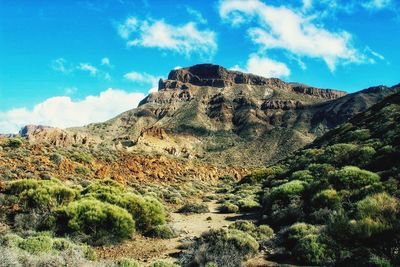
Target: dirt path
[(187, 227)]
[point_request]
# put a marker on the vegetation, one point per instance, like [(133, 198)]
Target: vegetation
[(194, 208), (335, 202), (222, 247)]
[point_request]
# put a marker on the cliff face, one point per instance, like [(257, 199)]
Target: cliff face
[(54, 136), (217, 76)]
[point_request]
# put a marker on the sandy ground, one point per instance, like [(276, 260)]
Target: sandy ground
[(187, 226)]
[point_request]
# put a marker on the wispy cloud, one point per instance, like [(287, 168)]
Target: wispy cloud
[(105, 61), (196, 15), (296, 33), (89, 68), (186, 39), (61, 65), (140, 77), (264, 66), (62, 111), (377, 4), (70, 90), (143, 78)]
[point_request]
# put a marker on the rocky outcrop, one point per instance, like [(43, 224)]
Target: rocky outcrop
[(282, 104), (218, 76), (317, 92), (54, 136)]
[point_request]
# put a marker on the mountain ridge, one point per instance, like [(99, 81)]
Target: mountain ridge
[(208, 113)]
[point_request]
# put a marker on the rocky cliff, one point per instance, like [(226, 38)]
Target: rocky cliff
[(218, 76)]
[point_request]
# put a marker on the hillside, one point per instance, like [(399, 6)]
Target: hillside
[(335, 202), (218, 116)]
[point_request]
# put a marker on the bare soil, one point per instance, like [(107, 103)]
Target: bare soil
[(187, 226)]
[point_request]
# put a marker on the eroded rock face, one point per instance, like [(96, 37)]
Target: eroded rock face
[(217, 76), (54, 136)]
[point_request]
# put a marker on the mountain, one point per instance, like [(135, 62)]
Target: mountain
[(335, 202), (219, 116)]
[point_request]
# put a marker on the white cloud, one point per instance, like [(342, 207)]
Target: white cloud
[(70, 90), (61, 65), (141, 77), (285, 29), (196, 15), (185, 39), (265, 67), (88, 67), (62, 111), (377, 4), (307, 4), (105, 61)]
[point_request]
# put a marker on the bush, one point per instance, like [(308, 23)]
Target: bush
[(128, 263), (351, 178), (15, 142), (261, 232), (302, 242), (163, 264), (222, 247), (302, 175), (327, 198), (41, 194), (97, 219), (162, 231), (147, 211), (194, 208), (248, 204), (228, 207), (37, 244), (56, 158), (81, 157)]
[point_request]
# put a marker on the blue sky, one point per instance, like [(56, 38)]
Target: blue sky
[(67, 63)]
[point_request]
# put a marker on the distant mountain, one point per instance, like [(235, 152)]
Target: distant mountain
[(220, 116)]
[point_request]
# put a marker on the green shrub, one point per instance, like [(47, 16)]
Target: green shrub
[(301, 240), (163, 264), (41, 194), (302, 175), (376, 215), (56, 158), (261, 175), (264, 232), (244, 226), (128, 263), (288, 190), (261, 232), (81, 157), (37, 244), (96, 219), (351, 177), (228, 207), (194, 208), (15, 142), (327, 198), (162, 231), (147, 211), (82, 170), (222, 247), (248, 204), (309, 250)]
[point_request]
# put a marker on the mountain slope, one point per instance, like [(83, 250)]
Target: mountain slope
[(335, 202), (219, 116)]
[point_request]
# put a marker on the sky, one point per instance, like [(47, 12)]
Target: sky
[(68, 63)]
